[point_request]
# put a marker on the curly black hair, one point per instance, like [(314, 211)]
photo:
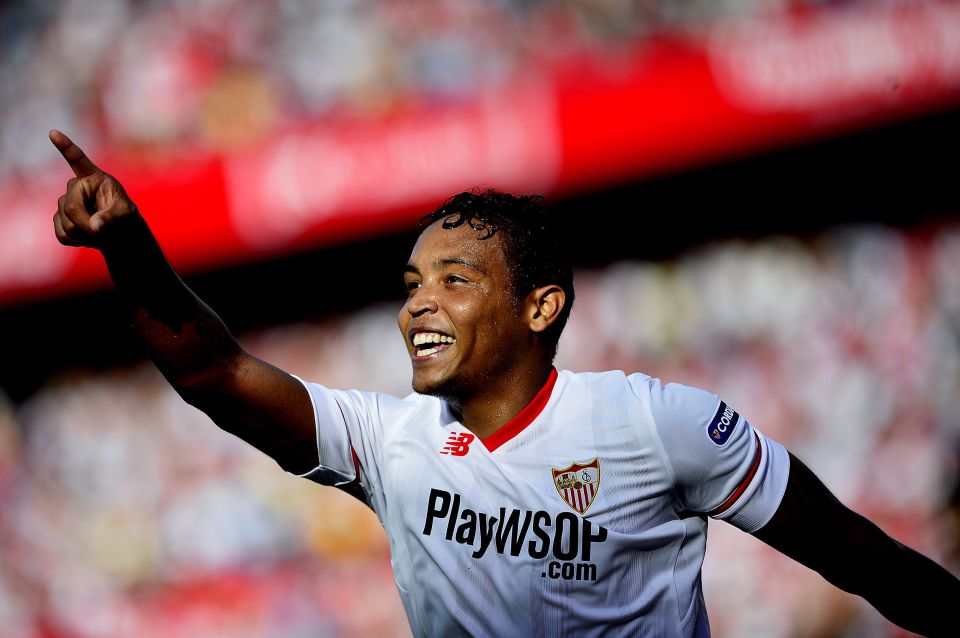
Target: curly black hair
[(532, 242)]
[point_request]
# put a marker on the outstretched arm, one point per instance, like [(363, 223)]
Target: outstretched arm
[(186, 340), (813, 527)]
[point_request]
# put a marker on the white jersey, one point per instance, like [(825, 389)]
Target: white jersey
[(584, 515)]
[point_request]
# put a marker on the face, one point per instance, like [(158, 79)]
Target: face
[(461, 323)]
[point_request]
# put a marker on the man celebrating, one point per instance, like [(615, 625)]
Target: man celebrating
[(518, 500)]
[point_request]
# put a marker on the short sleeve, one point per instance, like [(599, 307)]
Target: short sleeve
[(337, 465), (720, 465), (349, 428)]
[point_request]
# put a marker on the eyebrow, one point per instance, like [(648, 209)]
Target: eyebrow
[(450, 261), (439, 264)]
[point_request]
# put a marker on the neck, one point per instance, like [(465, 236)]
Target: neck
[(501, 399)]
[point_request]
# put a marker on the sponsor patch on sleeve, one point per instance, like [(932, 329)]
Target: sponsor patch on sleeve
[(723, 424)]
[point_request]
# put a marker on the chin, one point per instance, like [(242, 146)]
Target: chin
[(433, 385)]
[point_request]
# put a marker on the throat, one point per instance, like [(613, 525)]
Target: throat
[(498, 417)]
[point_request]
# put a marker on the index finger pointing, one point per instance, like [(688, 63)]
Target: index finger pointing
[(76, 158)]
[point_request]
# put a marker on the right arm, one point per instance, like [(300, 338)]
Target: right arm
[(815, 529), (187, 341)]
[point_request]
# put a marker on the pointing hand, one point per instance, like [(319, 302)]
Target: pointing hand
[(93, 202)]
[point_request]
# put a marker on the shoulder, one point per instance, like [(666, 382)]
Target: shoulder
[(596, 380), (391, 404), (668, 403), (370, 402), (640, 385)]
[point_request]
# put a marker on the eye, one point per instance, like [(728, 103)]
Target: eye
[(411, 285), (456, 279)]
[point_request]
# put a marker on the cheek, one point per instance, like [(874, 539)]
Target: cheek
[(494, 328), (481, 320)]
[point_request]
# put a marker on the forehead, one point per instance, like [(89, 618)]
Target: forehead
[(437, 244)]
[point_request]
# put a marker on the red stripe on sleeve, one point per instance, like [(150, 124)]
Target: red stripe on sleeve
[(356, 468), (744, 483)]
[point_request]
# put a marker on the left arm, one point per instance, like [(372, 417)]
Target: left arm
[(814, 528)]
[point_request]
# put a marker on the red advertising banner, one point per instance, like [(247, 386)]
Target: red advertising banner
[(666, 104)]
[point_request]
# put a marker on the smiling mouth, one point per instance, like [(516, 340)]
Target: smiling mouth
[(426, 344)]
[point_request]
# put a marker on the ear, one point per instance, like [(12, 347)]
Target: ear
[(543, 306)]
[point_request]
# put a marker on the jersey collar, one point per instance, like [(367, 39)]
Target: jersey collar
[(525, 417)]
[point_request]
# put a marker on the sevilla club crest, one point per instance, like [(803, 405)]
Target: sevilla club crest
[(578, 483)]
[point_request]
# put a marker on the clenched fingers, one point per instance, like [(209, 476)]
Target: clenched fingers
[(75, 207), (62, 235)]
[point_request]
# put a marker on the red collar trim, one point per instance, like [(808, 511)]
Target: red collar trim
[(525, 417)]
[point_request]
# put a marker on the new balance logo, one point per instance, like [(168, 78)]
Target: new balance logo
[(458, 444)]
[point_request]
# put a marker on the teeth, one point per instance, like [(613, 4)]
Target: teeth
[(428, 351), (430, 337)]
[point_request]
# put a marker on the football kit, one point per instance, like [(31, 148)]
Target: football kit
[(584, 515)]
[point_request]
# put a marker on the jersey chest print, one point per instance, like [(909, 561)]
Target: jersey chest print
[(565, 537), (563, 542)]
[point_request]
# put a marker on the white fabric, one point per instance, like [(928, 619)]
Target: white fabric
[(484, 544)]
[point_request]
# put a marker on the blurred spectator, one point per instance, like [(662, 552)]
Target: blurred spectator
[(123, 511), (152, 76)]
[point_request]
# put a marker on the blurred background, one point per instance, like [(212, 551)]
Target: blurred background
[(764, 196)]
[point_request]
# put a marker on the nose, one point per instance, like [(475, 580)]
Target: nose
[(421, 301)]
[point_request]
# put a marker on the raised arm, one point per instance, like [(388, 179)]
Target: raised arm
[(813, 527), (186, 340)]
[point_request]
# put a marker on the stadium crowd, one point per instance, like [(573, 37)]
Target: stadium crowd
[(151, 76), (123, 511)]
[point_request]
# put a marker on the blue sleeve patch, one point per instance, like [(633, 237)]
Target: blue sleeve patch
[(723, 424)]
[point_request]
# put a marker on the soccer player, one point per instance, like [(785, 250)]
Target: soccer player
[(518, 500)]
